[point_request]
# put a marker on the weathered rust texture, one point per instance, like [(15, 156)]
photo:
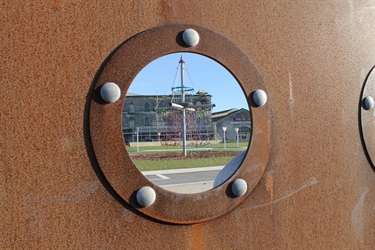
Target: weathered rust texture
[(108, 143), (313, 58), (367, 121)]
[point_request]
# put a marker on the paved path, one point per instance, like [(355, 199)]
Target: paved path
[(186, 180)]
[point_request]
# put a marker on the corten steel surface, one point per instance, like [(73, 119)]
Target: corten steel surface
[(367, 118), (106, 131), (318, 190)]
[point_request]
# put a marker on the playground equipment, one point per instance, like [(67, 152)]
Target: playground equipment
[(185, 120)]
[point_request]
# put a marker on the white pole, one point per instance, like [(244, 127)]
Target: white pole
[(183, 110), (215, 130), (225, 145), (237, 136), (137, 139)]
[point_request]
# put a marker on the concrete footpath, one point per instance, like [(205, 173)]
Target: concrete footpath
[(185, 180)]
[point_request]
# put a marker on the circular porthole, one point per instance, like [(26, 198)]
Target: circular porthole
[(235, 181), (185, 118), (367, 115)]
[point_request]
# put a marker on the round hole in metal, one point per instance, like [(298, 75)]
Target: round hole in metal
[(367, 121), (184, 119), (106, 129)]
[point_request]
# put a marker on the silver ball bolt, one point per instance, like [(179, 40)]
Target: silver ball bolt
[(146, 196), (259, 97), (368, 103), (110, 92), (239, 187), (190, 37)]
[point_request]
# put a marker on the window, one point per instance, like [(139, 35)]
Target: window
[(131, 123), (147, 106), (147, 121), (131, 108)]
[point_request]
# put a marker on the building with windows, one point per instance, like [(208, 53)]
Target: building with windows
[(156, 120), (232, 120)]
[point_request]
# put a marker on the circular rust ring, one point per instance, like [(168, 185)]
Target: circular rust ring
[(106, 132), (367, 121)]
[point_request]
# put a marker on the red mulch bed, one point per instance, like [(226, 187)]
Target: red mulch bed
[(179, 156)]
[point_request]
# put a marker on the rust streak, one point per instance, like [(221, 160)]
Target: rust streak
[(166, 10), (196, 243), (270, 189)]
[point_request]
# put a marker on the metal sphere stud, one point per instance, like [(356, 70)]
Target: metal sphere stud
[(190, 37), (110, 92), (259, 97), (146, 196), (239, 187), (368, 103)]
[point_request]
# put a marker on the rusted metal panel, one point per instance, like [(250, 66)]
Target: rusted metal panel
[(105, 123), (367, 115), (317, 191)]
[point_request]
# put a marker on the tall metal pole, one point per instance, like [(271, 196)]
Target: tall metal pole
[(183, 110), (215, 130), (137, 139)]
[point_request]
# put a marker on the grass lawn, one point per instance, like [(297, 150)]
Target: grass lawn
[(145, 165), (150, 163)]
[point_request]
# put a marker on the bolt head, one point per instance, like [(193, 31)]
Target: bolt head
[(146, 196), (239, 187), (368, 103), (110, 92), (259, 97), (190, 37)]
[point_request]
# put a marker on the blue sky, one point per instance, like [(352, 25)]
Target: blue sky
[(158, 77)]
